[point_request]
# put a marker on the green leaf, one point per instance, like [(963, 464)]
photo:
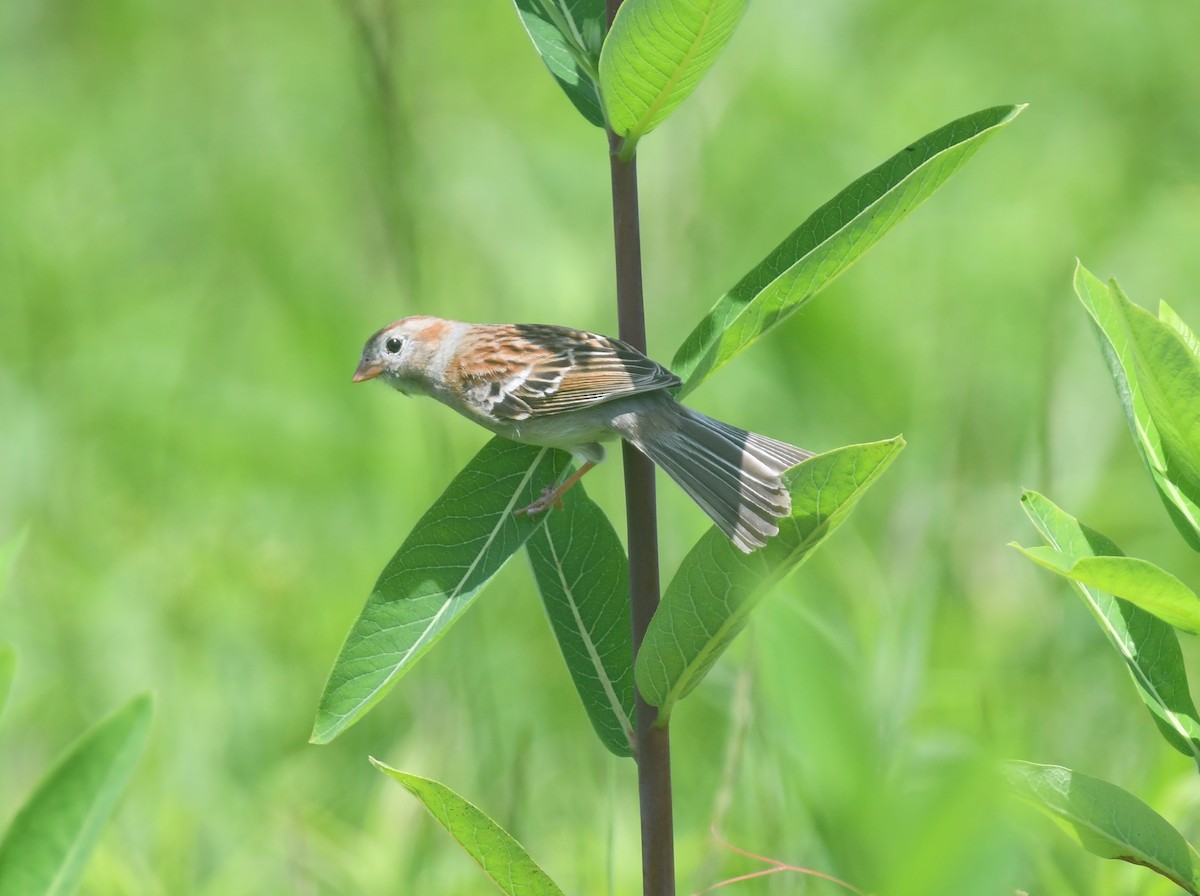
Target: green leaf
[(568, 34), (1112, 315), (583, 577), (1140, 582), (832, 238), (46, 847), (1168, 316), (1148, 645), (455, 548), (709, 601), (655, 55), (1170, 378), (8, 666), (500, 856), (1107, 821)]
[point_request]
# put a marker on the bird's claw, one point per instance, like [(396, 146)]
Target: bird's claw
[(551, 497)]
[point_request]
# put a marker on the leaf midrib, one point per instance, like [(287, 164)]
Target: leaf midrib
[(637, 131), (593, 655)]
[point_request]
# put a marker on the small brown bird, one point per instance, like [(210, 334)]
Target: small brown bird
[(563, 388)]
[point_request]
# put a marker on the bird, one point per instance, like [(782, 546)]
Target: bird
[(570, 389)]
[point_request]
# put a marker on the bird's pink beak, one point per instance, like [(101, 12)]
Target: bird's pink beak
[(367, 370)]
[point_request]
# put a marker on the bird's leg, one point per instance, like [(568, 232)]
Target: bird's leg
[(552, 495)]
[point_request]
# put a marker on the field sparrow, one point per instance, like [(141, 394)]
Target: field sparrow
[(568, 389)]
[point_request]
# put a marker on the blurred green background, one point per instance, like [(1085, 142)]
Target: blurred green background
[(206, 208)]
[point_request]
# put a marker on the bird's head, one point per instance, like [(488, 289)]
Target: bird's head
[(402, 352)]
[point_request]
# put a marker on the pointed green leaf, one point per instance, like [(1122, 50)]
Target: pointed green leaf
[(8, 666), (46, 847), (1168, 316), (500, 856), (1110, 315), (655, 55), (1107, 821), (568, 34), (1140, 582), (709, 601), (454, 550), (1170, 378), (1148, 645), (832, 238), (582, 575)]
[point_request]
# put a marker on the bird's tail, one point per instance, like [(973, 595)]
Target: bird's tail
[(734, 475)]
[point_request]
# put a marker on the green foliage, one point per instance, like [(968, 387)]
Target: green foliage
[(1153, 366), (654, 57), (709, 601), (48, 843), (583, 578), (501, 857), (1148, 645), (567, 34), (1155, 372), (829, 241), (456, 547), (1108, 822)]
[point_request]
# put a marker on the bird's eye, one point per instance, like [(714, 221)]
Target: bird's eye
[(394, 345)]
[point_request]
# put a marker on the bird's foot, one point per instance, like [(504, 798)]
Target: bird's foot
[(551, 497)]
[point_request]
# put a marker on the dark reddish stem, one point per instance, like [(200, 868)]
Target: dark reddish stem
[(653, 745)]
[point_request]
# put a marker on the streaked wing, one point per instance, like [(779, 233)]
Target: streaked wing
[(532, 370)]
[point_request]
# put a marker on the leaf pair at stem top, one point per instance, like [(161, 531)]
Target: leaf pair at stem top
[(652, 58)]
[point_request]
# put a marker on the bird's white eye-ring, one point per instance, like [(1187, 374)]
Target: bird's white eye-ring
[(394, 345)]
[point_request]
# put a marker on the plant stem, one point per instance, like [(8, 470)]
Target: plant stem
[(653, 745)]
